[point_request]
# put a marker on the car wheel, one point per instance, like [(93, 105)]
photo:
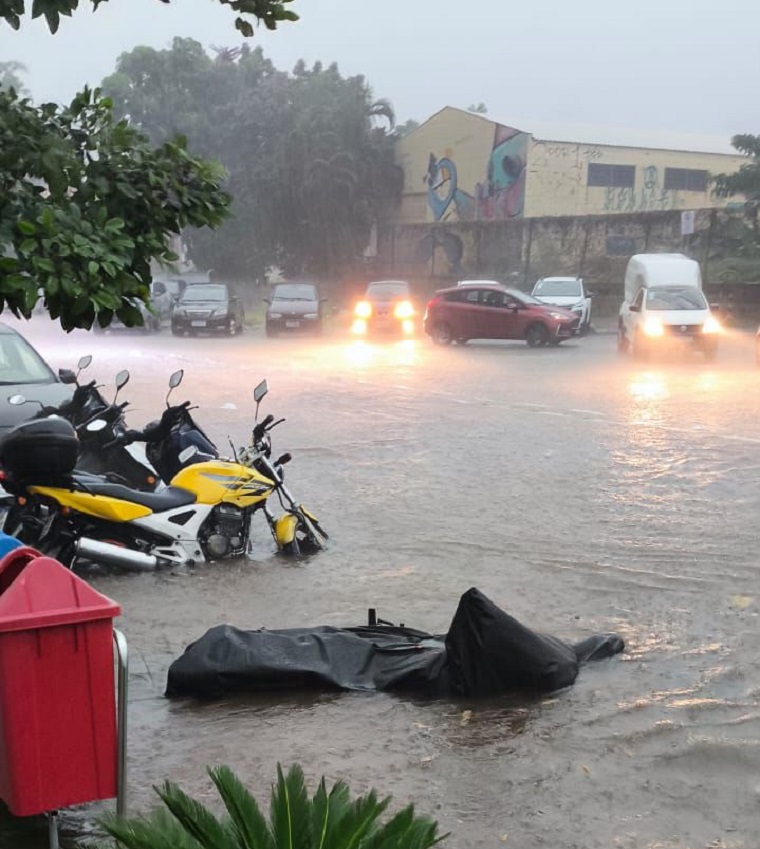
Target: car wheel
[(622, 341), (537, 335), (442, 334), (176, 331), (639, 348), (270, 331)]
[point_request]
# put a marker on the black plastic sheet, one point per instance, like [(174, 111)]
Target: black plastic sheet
[(486, 652)]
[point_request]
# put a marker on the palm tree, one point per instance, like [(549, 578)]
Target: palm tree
[(328, 820)]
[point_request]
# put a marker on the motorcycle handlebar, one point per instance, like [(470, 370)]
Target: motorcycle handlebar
[(261, 428)]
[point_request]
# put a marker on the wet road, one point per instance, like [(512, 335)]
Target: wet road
[(581, 492)]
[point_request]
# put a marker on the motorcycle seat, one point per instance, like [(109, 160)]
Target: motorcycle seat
[(163, 499)]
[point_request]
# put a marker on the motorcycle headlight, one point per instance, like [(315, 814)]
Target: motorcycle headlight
[(275, 315), (653, 327), (711, 325), (363, 309), (404, 310)]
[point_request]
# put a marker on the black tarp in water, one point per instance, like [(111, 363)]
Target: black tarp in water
[(486, 652)]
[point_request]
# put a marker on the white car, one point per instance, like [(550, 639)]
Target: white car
[(567, 292)]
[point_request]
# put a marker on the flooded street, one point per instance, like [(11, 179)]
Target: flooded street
[(580, 491)]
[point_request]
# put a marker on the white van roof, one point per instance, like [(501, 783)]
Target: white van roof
[(653, 270)]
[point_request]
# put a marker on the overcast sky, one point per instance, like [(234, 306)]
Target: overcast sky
[(679, 65)]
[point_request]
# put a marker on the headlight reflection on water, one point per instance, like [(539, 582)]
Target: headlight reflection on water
[(363, 354)]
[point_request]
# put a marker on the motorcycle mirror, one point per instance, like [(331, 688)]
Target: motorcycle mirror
[(260, 391), (174, 382), (84, 361), (122, 379), (66, 375), (95, 426), (16, 400)]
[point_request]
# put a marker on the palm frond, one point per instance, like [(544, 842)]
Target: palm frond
[(160, 830), (357, 823), (196, 819), (247, 820), (290, 810), (407, 830)]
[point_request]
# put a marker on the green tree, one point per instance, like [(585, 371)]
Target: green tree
[(309, 154), (9, 76), (745, 181), (268, 12), (328, 820), (85, 204)]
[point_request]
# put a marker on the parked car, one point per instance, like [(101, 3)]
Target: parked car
[(24, 372), (293, 308), (207, 308), (494, 312), (478, 282), (568, 292), (386, 307)]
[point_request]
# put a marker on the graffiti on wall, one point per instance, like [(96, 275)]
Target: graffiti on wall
[(650, 197), (499, 197)]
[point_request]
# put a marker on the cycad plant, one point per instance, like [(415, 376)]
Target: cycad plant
[(328, 820)]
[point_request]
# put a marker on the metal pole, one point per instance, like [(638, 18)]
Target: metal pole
[(123, 680), (53, 829)]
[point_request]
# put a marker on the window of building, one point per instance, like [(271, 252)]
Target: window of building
[(685, 180), (614, 176)]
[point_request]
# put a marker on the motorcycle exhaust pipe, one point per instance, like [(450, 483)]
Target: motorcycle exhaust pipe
[(115, 555)]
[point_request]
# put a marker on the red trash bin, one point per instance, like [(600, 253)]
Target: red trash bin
[(58, 735)]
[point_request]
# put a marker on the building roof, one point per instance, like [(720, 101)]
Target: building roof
[(606, 136)]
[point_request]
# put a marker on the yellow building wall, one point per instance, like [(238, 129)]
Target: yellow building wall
[(557, 179), (462, 167)]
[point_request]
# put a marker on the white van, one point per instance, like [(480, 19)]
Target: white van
[(664, 304)]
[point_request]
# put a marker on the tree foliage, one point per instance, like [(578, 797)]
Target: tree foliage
[(268, 12), (309, 153), (86, 203), (746, 180), (326, 820), (10, 76)]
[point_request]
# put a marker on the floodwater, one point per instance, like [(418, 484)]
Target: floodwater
[(580, 491)]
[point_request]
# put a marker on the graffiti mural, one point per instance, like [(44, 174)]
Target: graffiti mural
[(651, 197), (499, 197)]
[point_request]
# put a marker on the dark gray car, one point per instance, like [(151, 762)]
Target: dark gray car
[(294, 308), (24, 372), (207, 308)]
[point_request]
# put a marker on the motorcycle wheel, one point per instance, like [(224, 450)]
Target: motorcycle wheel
[(304, 541)]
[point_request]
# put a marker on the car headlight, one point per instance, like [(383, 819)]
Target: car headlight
[(653, 327), (275, 315), (311, 315), (711, 325), (363, 309), (404, 310), (557, 316)]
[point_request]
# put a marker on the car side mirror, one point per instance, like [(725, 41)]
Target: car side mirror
[(715, 307), (590, 294), (635, 308), (266, 300), (66, 375), (322, 300)]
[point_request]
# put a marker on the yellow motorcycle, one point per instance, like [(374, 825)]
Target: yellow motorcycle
[(204, 514)]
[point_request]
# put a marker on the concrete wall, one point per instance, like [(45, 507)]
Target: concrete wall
[(557, 180), (462, 167), (459, 166)]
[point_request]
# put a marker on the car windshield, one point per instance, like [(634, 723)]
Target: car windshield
[(563, 288), (20, 363), (295, 292), (205, 293), (388, 289), (687, 298)]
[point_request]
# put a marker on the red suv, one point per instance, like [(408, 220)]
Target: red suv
[(493, 312)]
